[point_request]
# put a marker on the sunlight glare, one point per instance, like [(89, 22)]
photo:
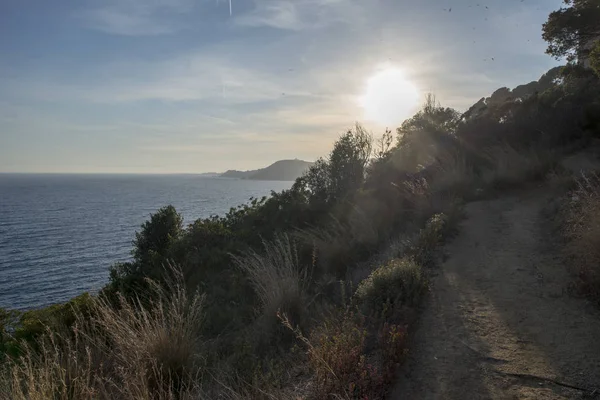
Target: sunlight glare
[(389, 97)]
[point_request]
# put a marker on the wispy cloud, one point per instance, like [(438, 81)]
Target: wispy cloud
[(298, 14), (136, 17), (193, 77)]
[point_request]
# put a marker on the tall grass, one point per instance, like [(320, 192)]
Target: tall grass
[(278, 278), (137, 351)]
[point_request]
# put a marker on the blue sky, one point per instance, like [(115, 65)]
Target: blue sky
[(186, 86)]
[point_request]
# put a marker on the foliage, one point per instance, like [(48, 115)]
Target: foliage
[(394, 285), (392, 342), (333, 180), (26, 327), (424, 248), (569, 29), (150, 252), (336, 353), (582, 229), (595, 58)]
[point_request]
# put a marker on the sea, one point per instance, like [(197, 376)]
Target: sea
[(60, 233)]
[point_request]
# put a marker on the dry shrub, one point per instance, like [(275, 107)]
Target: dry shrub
[(278, 279), (583, 233), (140, 351), (393, 348), (336, 353)]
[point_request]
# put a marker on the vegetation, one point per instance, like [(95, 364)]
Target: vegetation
[(582, 229), (133, 352), (571, 30), (397, 283), (278, 275)]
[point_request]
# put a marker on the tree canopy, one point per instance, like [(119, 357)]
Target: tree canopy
[(571, 31)]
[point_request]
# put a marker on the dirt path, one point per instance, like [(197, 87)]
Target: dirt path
[(499, 323)]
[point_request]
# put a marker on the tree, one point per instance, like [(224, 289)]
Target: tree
[(330, 181), (347, 162), (150, 252), (570, 30), (432, 118), (157, 234)]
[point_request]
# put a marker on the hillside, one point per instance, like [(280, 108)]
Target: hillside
[(283, 170)]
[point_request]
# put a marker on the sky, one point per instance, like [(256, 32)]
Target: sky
[(185, 86)]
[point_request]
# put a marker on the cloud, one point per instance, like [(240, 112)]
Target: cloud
[(137, 17), (298, 14), (280, 15), (194, 77)]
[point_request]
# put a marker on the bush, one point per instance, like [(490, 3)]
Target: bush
[(424, 249), (336, 353), (150, 253), (26, 327), (583, 234), (392, 286), (595, 58), (393, 347)]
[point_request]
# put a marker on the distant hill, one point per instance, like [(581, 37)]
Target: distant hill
[(209, 174), (283, 170)]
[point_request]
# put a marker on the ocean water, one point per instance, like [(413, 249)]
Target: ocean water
[(60, 233)]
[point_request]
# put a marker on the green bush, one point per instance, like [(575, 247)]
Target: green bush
[(595, 58), (151, 248), (425, 248), (392, 286)]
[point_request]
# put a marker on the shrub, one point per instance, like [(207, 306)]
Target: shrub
[(392, 286), (583, 234), (30, 325), (393, 347), (424, 249), (336, 353), (595, 58)]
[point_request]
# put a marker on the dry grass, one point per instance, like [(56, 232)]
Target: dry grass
[(583, 233), (278, 279), (137, 352)]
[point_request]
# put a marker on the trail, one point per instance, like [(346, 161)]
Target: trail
[(499, 323)]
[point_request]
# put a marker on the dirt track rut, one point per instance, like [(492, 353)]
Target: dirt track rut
[(499, 323)]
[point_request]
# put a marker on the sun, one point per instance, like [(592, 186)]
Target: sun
[(389, 97)]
